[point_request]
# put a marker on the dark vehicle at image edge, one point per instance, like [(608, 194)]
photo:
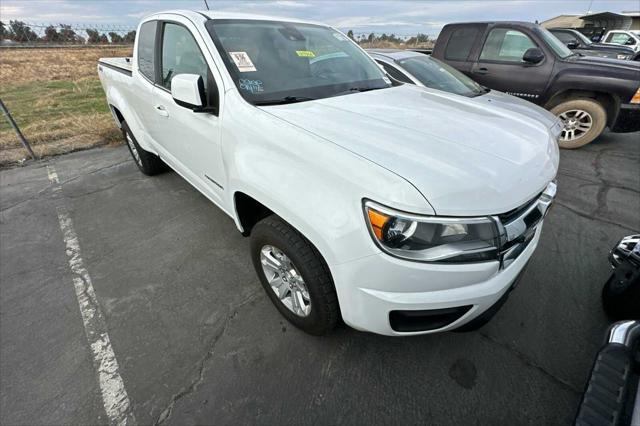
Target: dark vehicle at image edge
[(526, 60), (579, 43)]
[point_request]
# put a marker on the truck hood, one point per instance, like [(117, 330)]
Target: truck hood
[(512, 103), (595, 61), (465, 157)]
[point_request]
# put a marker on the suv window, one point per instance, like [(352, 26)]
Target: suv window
[(506, 45), (621, 38), (460, 44), (180, 55), (146, 49), (395, 73), (564, 37)]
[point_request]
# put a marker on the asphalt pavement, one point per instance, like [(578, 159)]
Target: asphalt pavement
[(198, 342)]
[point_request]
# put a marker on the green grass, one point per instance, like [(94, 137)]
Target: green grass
[(38, 101)]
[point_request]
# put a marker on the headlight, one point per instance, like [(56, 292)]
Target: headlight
[(636, 97), (433, 239)]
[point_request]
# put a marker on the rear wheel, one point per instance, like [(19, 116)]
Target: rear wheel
[(148, 163), (295, 276), (583, 119)]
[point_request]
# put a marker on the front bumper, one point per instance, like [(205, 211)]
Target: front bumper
[(369, 289), (628, 119)]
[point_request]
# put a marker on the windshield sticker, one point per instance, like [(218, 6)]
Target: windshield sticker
[(339, 36), (242, 61), (253, 86), (305, 54)]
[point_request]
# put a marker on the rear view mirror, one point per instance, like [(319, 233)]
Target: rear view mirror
[(572, 45), (533, 55), (188, 91)]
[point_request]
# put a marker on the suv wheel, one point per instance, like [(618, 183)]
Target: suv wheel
[(148, 163), (584, 120), (295, 276)]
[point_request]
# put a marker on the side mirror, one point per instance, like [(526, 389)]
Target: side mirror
[(188, 91), (630, 42), (533, 55), (573, 45)]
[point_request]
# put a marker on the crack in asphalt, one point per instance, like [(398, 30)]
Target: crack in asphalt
[(95, 171), (529, 362), (590, 217), (202, 363)]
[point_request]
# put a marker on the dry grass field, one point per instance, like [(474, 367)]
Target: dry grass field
[(56, 98)]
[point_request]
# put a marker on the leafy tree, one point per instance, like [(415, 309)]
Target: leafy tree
[(93, 36), (130, 37), (51, 34), (371, 38), (350, 35), (68, 35), (4, 33), (21, 32), (115, 37)]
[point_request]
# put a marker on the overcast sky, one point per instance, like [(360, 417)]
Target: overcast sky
[(362, 16)]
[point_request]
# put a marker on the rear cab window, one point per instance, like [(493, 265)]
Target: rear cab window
[(146, 49)]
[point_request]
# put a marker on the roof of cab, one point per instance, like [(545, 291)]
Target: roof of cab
[(213, 14), (394, 53)]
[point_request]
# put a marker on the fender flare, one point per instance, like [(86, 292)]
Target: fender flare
[(117, 102)]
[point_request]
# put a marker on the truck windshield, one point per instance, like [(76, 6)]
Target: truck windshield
[(554, 43), (437, 75), (273, 62), (582, 37)]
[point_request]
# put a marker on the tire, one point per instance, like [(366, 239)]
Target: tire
[(272, 235), (584, 111), (148, 163)]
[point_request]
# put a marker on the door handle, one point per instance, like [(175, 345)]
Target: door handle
[(161, 110), (482, 70)]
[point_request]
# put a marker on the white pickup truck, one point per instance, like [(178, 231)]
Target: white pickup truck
[(400, 209)]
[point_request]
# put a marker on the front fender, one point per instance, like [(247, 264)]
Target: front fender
[(313, 184)]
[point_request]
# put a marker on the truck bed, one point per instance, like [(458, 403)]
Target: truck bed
[(122, 64)]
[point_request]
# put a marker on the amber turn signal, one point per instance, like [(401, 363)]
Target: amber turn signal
[(377, 221)]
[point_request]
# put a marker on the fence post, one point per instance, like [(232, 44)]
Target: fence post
[(24, 141)]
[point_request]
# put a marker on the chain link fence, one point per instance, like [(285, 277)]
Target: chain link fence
[(30, 34)]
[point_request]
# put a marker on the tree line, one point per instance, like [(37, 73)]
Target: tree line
[(21, 32), (389, 38)]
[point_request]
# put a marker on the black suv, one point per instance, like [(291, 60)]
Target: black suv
[(523, 59), (579, 43)]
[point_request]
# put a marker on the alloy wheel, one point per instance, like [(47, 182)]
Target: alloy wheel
[(285, 280), (577, 123)]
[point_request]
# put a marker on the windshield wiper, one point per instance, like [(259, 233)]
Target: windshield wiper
[(285, 100), (359, 89)]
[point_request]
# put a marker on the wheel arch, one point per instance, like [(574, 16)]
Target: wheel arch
[(121, 111), (610, 102)]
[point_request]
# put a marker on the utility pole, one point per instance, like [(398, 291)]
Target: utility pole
[(206, 4)]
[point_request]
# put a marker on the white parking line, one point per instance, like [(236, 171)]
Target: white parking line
[(114, 395)]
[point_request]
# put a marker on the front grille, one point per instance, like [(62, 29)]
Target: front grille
[(511, 214), (518, 226)]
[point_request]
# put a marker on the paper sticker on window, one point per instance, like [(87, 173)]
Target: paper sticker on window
[(305, 54), (253, 86), (242, 61)]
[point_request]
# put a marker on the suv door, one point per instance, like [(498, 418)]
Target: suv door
[(500, 65), (191, 140)]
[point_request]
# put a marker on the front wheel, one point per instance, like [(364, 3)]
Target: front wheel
[(583, 119), (295, 276)]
